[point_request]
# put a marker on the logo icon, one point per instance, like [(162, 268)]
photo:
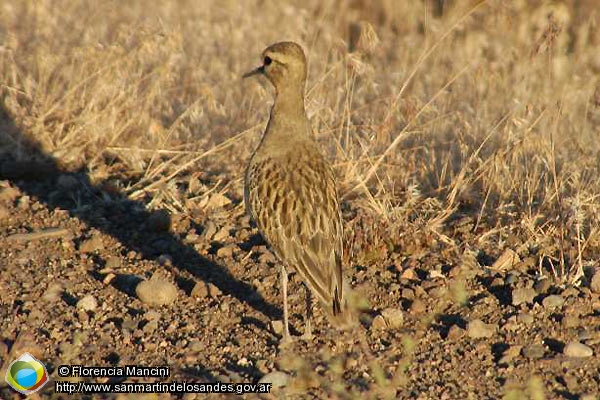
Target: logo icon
[(26, 374)]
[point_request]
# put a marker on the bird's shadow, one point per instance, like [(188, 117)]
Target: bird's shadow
[(25, 165)]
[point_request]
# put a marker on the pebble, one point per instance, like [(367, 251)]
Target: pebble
[(542, 285), (478, 329), (213, 290), (510, 354), (410, 274), (222, 234), (534, 351), (570, 321), (152, 315), (553, 301), (525, 318), (113, 263), (595, 281), (378, 323), (200, 290), (417, 307), (523, 295), (455, 332), (92, 244), (277, 379), (577, 349), (53, 293), (156, 292), (225, 252), (393, 317), (506, 261), (87, 303), (583, 335), (277, 327), (9, 194)]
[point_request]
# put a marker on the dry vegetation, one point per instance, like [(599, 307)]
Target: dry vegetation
[(462, 129)]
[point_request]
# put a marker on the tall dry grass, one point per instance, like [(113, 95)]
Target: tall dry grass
[(487, 109)]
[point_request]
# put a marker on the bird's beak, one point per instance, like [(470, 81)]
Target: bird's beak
[(256, 71)]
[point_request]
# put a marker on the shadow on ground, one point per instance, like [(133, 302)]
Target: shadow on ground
[(36, 174)]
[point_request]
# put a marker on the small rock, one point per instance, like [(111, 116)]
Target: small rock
[(542, 285), (159, 221), (523, 295), (243, 362), (570, 292), (577, 349), (533, 351), (200, 290), (393, 317), (595, 281), (417, 307), (87, 303), (478, 329), (92, 244), (378, 323), (570, 321), (225, 252), (213, 290), (217, 200), (196, 346), (277, 379), (222, 234), (553, 301), (113, 263), (277, 327), (525, 318), (409, 274), (156, 292), (583, 335), (151, 326), (455, 332), (408, 294), (510, 354), (9, 194), (152, 315), (53, 293), (507, 260)]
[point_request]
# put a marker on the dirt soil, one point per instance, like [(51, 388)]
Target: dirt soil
[(442, 323)]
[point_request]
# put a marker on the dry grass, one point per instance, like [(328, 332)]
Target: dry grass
[(491, 106), (489, 109)]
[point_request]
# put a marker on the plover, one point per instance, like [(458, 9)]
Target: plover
[(290, 190)]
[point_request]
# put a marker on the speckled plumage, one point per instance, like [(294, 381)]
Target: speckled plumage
[(290, 189)]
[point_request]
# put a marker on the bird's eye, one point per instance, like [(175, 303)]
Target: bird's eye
[(267, 60)]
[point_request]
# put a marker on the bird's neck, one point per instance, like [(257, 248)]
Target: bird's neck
[(289, 104)]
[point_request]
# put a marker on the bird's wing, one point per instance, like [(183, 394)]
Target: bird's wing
[(294, 202)]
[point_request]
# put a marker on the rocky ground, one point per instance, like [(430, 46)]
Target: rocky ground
[(464, 138), (91, 278)]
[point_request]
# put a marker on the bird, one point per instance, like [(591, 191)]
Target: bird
[(290, 191)]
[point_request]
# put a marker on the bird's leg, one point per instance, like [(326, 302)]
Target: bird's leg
[(286, 331), (308, 328)]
